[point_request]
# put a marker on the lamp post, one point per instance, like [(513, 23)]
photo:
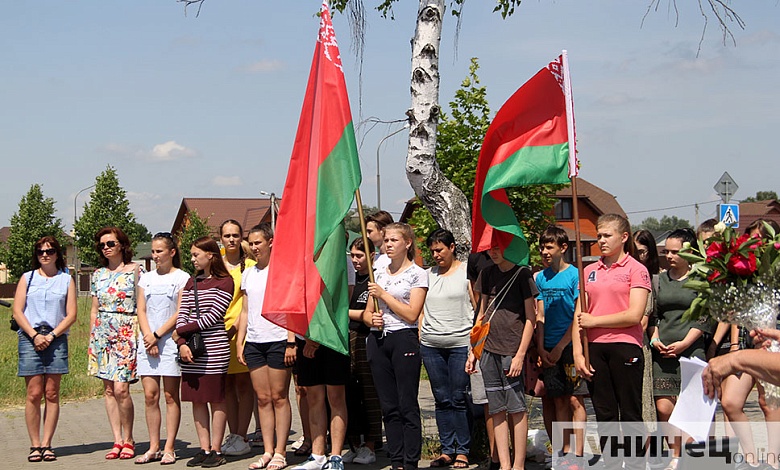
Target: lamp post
[(272, 195), (76, 263), (378, 190)]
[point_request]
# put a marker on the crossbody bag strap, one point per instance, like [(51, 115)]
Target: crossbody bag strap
[(501, 294)]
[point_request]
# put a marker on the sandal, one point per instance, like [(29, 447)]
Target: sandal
[(304, 449), (277, 463), (148, 456), (113, 454), (672, 465), (262, 462), (128, 451), (168, 458), (35, 455), (443, 460), (461, 462), (48, 454)]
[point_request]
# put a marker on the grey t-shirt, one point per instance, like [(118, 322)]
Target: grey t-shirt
[(448, 313)]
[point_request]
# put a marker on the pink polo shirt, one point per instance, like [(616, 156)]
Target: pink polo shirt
[(608, 290)]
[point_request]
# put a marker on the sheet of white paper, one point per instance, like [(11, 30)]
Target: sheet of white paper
[(694, 410)]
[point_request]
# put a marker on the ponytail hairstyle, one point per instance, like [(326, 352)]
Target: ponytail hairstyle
[(241, 253), (408, 234), (622, 226), (217, 266), (170, 243)]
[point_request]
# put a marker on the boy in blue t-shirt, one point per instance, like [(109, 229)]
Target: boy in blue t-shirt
[(558, 287)]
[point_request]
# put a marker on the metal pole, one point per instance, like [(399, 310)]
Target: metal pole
[(76, 263), (378, 190)]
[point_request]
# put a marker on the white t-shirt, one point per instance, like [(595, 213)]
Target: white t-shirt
[(381, 262), (400, 287), (259, 329)]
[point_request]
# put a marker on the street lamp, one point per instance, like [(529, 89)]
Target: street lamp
[(76, 263), (274, 209), (378, 191)]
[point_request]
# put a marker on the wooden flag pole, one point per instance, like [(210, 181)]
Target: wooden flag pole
[(369, 261), (581, 273)]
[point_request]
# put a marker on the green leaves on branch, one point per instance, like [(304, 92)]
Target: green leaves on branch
[(194, 227)]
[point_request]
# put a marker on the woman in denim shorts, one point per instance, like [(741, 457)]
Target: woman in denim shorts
[(45, 308)]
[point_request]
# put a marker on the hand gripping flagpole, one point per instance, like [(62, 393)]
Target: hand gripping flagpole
[(573, 171), (369, 262)]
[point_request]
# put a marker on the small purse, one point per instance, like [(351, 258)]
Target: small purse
[(195, 341), (14, 323), (481, 328)]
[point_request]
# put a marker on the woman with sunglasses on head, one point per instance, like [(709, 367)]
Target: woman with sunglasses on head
[(159, 294), (240, 396), (113, 337), (204, 301), (45, 308)]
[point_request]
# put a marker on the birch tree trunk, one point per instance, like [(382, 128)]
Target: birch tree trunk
[(445, 201)]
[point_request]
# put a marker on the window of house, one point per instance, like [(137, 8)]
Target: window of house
[(563, 209)]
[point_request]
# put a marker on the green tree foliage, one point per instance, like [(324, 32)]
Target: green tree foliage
[(352, 221), (666, 223), (142, 233), (107, 206), (459, 141), (35, 219), (194, 227), (762, 196)]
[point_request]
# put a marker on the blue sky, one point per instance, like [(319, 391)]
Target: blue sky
[(208, 106)]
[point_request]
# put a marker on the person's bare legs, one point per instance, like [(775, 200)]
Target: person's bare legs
[(279, 380), (32, 408), (200, 414), (52, 408), (218, 424), (735, 392), (663, 409), (240, 401), (172, 411), (318, 418), (262, 385), (151, 386), (520, 430), (578, 415), (501, 436), (303, 412), (491, 434), (112, 410), (126, 410), (772, 419), (337, 399)]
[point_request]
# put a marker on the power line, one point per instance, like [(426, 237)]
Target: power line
[(670, 208)]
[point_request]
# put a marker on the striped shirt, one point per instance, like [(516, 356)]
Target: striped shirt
[(214, 296)]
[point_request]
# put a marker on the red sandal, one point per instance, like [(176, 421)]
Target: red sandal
[(128, 451), (113, 454)]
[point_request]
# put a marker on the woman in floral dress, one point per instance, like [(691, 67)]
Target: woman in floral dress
[(113, 336)]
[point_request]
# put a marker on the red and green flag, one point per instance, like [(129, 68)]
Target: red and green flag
[(307, 283), (530, 141)]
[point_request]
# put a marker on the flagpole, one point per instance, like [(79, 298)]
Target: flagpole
[(573, 172), (369, 261)]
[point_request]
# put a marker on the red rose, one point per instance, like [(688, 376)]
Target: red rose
[(715, 250), (742, 266), (713, 275)]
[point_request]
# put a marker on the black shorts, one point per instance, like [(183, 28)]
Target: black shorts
[(327, 367), (562, 379), (265, 354)]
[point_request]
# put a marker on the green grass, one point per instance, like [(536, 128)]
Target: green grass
[(76, 385)]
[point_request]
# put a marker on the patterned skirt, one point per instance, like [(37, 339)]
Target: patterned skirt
[(112, 347)]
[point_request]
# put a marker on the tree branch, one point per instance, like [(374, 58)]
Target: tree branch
[(190, 2)]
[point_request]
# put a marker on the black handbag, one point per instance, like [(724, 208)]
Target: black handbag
[(14, 324), (195, 341)]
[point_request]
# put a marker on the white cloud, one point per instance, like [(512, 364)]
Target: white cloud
[(170, 150), (227, 181), (263, 66)]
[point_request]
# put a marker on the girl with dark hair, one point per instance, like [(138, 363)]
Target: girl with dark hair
[(393, 346), (617, 287), (159, 294), (646, 251), (444, 346), (671, 336), (45, 308), (362, 401), (204, 301), (114, 334), (239, 395)]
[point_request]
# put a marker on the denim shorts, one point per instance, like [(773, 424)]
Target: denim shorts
[(52, 360), (265, 354)]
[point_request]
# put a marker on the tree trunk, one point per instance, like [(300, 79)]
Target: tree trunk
[(447, 203)]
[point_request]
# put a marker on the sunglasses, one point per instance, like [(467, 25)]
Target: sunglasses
[(109, 244), (163, 235), (47, 251)]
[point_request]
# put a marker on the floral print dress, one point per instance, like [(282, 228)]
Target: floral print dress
[(113, 339)]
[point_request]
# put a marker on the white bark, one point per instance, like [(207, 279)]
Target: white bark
[(444, 200)]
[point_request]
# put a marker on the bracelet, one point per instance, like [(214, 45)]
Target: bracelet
[(652, 341), (155, 334), (292, 344), (35, 336), (53, 335)]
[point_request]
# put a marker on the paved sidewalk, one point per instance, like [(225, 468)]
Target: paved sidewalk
[(83, 436)]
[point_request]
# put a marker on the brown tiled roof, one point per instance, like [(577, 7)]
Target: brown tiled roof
[(247, 211), (749, 212), (602, 201)]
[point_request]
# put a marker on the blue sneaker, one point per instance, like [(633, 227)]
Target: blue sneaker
[(334, 463)]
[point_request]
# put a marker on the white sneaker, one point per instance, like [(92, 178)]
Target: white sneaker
[(364, 456), (349, 456), (297, 444), (312, 463), (235, 445)]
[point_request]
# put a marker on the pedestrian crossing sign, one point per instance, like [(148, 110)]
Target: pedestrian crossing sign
[(729, 214)]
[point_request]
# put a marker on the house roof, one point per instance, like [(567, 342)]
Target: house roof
[(247, 211), (749, 212), (602, 201)]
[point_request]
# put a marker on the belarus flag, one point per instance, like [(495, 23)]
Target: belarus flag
[(530, 141), (307, 282)]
